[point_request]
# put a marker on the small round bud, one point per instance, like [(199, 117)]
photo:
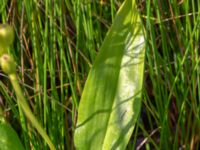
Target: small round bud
[(6, 35), (8, 64)]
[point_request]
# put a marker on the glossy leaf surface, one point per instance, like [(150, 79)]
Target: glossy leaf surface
[(111, 99)]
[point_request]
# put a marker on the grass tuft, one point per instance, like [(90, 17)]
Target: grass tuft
[(55, 47)]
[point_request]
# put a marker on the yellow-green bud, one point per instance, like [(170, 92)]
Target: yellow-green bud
[(8, 64), (6, 35)]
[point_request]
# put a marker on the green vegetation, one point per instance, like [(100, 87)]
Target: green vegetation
[(9, 139), (8, 66), (111, 99), (55, 46)]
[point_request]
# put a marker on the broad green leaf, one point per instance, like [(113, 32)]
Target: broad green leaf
[(9, 139), (111, 99)]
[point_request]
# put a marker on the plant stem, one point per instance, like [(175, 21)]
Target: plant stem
[(25, 107)]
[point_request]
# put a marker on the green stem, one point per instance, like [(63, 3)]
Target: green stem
[(25, 107)]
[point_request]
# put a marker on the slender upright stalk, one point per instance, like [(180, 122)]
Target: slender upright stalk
[(8, 66), (27, 110)]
